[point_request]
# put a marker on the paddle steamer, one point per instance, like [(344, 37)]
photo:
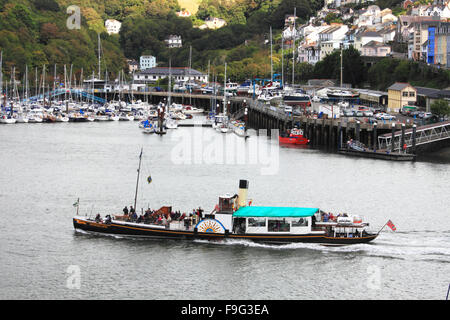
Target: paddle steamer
[(235, 218)]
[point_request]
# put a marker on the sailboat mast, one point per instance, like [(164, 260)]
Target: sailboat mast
[(169, 98), (99, 56), (282, 60), (1, 73), (137, 181), (190, 67), (271, 56), (225, 91)]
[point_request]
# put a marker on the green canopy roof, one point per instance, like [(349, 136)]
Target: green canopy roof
[(279, 212)]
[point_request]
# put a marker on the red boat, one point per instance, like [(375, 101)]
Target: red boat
[(294, 137)]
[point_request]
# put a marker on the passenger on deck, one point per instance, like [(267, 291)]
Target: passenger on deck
[(133, 216), (331, 217), (125, 211), (98, 218), (140, 219), (108, 219), (132, 210), (182, 216), (325, 217)]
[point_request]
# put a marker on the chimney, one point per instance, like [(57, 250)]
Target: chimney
[(242, 196)]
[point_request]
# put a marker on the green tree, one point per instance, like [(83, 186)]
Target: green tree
[(440, 107)]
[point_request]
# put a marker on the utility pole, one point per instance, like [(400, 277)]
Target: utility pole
[(341, 63)]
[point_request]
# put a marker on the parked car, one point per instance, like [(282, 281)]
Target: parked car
[(427, 115), (384, 116), (348, 113)]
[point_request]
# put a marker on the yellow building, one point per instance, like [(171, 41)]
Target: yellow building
[(401, 94)]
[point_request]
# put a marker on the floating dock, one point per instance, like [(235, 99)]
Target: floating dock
[(379, 154)]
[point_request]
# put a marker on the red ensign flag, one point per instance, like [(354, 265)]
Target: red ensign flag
[(391, 225)]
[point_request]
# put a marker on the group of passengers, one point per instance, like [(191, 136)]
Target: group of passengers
[(159, 217), (328, 217)]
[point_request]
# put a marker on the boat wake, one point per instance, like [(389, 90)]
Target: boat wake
[(404, 246)]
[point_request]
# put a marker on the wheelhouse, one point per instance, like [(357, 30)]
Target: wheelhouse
[(273, 220)]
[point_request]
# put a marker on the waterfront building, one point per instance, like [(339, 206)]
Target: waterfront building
[(113, 26), (401, 94), (147, 62), (183, 74)]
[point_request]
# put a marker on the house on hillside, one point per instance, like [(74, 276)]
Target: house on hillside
[(113, 26)]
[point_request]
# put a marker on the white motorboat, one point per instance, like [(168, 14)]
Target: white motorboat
[(126, 117), (239, 129), (35, 116), (192, 110), (7, 119), (171, 123), (113, 117), (148, 130), (101, 117), (62, 118), (21, 118)]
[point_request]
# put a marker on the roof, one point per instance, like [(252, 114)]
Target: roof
[(399, 86), (275, 212), (175, 71), (375, 44)]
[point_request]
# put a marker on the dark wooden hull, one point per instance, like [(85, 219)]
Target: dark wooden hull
[(144, 230)]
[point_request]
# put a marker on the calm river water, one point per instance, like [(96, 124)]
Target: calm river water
[(46, 167)]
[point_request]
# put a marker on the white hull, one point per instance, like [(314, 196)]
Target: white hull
[(101, 118), (126, 118), (8, 121), (148, 130), (22, 119)]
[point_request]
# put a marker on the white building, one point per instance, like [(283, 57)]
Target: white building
[(331, 38), (363, 38), (147, 62), (178, 75), (113, 26)]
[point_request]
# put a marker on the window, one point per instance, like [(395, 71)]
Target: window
[(405, 93), (299, 222), (256, 222), (412, 94), (278, 225)]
